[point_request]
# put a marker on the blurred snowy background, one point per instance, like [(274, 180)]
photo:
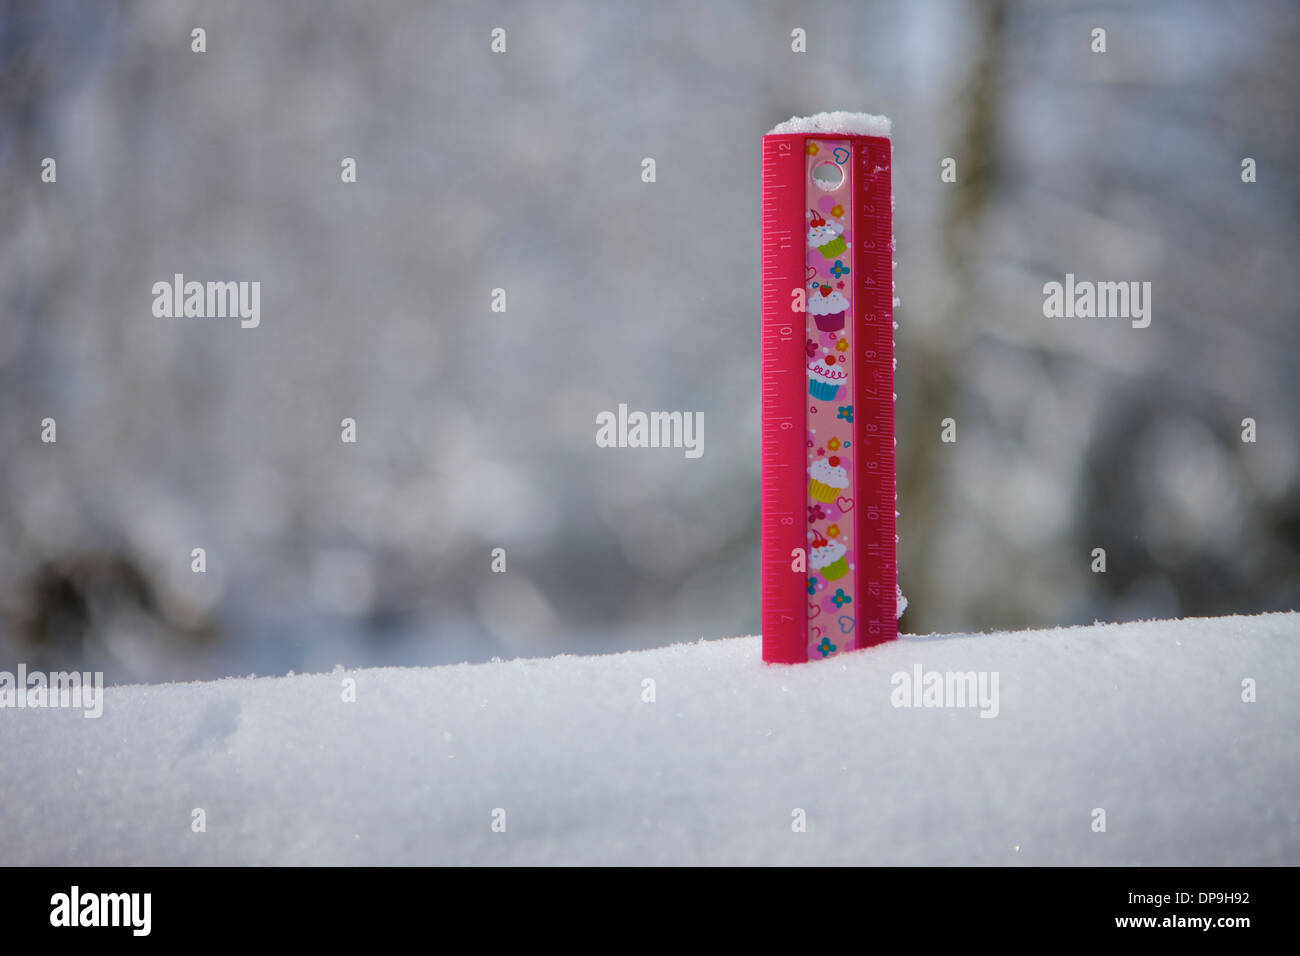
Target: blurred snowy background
[(522, 171)]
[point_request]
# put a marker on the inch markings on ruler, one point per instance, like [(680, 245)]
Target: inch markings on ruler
[(827, 402)]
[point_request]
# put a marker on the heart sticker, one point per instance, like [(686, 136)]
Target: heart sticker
[(813, 611), (844, 504), (841, 155), (846, 624), (810, 273)]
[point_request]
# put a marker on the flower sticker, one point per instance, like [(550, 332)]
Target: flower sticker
[(833, 531), (833, 444), (841, 598), (813, 149), (845, 412), (837, 210), (815, 513), (840, 270), (842, 345), (810, 348), (812, 585), (826, 647)]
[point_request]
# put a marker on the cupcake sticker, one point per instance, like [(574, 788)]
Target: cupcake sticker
[(829, 557), (826, 375), (827, 306), (824, 235), (828, 479)]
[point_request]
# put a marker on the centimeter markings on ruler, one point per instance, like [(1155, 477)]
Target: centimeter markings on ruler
[(873, 317), (784, 501)]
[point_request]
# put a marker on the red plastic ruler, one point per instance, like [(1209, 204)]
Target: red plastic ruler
[(828, 545)]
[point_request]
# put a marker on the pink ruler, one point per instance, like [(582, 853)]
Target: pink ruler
[(828, 546)]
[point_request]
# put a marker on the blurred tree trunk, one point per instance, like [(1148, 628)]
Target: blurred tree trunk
[(931, 365)]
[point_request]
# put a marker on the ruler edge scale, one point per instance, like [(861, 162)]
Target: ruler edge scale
[(782, 247)]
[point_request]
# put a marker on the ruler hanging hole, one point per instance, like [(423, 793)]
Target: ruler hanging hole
[(828, 176)]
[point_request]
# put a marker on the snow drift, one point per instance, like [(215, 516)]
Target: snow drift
[(1145, 721)]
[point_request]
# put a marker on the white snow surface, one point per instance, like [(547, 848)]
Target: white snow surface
[(838, 121), (1144, 720)]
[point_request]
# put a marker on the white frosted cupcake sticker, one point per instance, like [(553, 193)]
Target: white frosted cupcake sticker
[(826, 376), (827, 237), (828, 307)]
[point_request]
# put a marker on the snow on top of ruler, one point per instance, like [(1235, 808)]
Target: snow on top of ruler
[(840, 121)]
